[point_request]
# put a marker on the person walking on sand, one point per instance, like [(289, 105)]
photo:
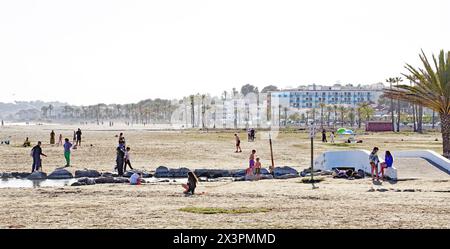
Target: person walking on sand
[(78, 133), (374, 160), (324, 136), (238, 143), (388, 161), (120, 158), (332, 137), (52, 137), (59, 140), (127, 159), (67, 147), (36, 153), (74, 137), (189, 188)]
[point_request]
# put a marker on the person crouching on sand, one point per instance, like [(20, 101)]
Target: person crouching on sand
[(135, 179), (374, 160), (189, 188)]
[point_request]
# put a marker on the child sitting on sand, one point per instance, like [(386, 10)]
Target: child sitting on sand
[(135, 179), (191, 183), (27, 143)]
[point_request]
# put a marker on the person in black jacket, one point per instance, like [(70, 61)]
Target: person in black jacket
[(120, 158), (36, 153), (78, 135)]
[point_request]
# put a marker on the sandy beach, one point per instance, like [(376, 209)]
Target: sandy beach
[(419, 200)]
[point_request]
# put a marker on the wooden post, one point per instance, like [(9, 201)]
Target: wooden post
[(312, 133), (271, 155)]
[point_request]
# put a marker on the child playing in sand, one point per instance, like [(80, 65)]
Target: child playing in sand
[(332, 137), (127, 159), (258, 169), (191, 183)]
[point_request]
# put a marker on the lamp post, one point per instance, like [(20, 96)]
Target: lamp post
[(312, 133)]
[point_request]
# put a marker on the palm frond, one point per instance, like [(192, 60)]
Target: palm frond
[(431, 84)]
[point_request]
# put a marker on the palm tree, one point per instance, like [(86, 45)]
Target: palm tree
[(307, 117), (258, 121), (224, 109), (203, 111), (335, 107), (192, 97), (342, 112), (392, 81), (279, 115), (322, 106), (367, 111), (44, 110), (358, 113), (414, 113), (235, 107), (285, 109), (391, 109), (362, 107), (397, 80), (433, 119), (419, 119), (50, 109), (431, 90), (329, 110), (351, 115)]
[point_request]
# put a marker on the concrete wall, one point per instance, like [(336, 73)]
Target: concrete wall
[(358, 159)]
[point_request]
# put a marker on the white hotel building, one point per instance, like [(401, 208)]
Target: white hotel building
[(311, 96)]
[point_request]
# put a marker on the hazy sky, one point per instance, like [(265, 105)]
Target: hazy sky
[(85, 52)]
